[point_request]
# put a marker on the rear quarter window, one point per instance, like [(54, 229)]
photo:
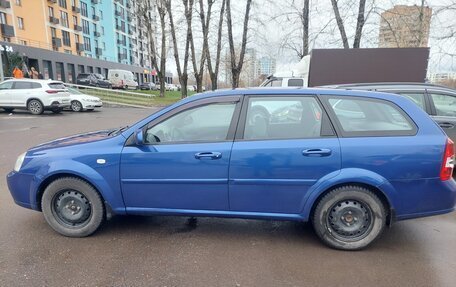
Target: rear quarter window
[(357, 116)]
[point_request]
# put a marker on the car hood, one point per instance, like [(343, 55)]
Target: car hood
[(75, 140)]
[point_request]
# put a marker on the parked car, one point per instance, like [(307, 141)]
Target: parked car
[(36, 96), (122, 79), (82, 102), (148, 86), (438, 101), (171, 87), (215, 154), (94, 80)]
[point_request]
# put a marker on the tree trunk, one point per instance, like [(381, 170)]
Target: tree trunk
[(305, 28), (236, 68), (163, 51), (359, 23), (340, 24), (213, 73)]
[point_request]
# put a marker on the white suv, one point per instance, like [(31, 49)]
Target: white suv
[(34, 95)]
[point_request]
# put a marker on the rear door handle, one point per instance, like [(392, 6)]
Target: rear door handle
[(446, 125), (208, 155), (316, 152)]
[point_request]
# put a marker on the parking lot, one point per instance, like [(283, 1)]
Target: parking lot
[(174, 251)]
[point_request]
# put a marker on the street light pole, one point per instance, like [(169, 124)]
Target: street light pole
[(1, 67)]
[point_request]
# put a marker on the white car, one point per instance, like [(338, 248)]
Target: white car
[(33, 95), (171, 87), (82, 102)]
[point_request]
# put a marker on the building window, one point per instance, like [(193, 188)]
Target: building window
[(51, 11), (19, 2), (63, 3), (75, 20), (93, 11), (73, 3), (87, 45), (20, 23), (66, 38), (3, 18), (53, 32), (76, 38), (64, 19), (67, 51), (22, 42), (84, 9), (101, 14), (85, 27)]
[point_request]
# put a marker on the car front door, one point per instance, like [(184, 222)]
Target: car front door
[(444, 111), (184, 162), (5, 93), (283, 146)]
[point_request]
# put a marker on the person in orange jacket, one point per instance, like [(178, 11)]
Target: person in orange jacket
[(17, 73)]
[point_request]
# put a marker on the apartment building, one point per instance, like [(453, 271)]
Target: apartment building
[(102, 30)]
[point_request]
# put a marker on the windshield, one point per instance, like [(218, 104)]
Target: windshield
[(74, 91), (99, 76)]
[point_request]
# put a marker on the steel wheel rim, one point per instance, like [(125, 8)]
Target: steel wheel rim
[(76, 106), (71, 208), (350, 220), (34, 107)]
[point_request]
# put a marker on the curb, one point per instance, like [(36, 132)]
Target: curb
[(119, 105)]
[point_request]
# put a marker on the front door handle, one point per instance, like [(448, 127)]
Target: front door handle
[(208, 155), (446, 125), (316, 152)]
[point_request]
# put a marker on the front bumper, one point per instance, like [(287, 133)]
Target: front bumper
[(92, 105), (19, 185)]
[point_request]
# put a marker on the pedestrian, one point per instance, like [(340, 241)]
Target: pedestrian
[(40, 76), (17, 73), (33, 73)]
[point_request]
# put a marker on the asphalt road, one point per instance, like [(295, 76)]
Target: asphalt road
[(174, 251)]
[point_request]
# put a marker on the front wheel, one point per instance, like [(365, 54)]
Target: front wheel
[(349, 218), (72, 207), (76, 106)]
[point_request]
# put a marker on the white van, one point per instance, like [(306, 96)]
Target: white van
[(122, 79)]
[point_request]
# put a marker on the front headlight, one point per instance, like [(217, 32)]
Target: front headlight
[(19, 161)]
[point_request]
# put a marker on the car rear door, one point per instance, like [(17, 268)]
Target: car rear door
[(21, 92), (443, 105), (283, 146), (184, 163)]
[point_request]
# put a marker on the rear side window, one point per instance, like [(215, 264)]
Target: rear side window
[(22, 85), (57, 86), (295, 82), (417, 98), (36, 85), (282, 118), (370, 117), (445, 105)]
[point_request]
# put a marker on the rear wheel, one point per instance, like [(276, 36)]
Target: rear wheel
[(8, 110), (35, 107), (72, 207), (349, 218), (76, 106)]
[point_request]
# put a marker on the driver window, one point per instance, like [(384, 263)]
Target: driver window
[(204, 123), (6, 85)]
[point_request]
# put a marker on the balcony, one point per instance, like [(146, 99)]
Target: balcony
[(7, 30), (53, 20), (121, 42), (118, 13), (122, 56), (95, 18), (129, 18), (75, 9), (120, 28), (56, 42), (95, 1), (96, 34), (52, 1), (132, 45), (5, 4), (128, 5), (98, 51), (79, 47), (77, 28)]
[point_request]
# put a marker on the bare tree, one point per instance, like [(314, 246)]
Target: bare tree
[(236, 67), (340, 24), (145, 13), (305, 28), (359, 23), (181, 71), (214, 71)]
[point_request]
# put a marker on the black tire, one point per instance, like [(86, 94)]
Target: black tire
[(76, 106), (35, 107), (8, 110), (349, 218), (57, 111), (72, 207)]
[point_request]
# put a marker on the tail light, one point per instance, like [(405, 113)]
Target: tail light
[(52, 91), (446, 172)]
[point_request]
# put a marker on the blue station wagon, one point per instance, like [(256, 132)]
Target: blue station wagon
[(349, 162)]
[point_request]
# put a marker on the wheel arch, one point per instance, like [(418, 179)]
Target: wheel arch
[(34, 98)]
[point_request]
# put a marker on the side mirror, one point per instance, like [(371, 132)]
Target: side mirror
[(139, 137)]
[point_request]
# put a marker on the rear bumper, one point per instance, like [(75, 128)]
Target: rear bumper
[(57, 105)]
